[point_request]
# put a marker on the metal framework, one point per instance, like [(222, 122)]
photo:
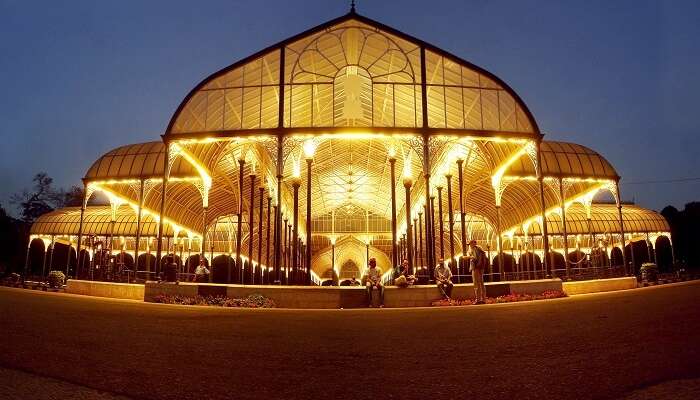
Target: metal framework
[(351, 130)]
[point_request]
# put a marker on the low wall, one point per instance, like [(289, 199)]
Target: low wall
[(345, 296), (106, 289), (600, 285)]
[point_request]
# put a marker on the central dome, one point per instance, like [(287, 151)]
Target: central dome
[(351, 72)]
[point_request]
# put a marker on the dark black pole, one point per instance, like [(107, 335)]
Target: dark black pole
[(394, 255), (407, 182), (451, 223), (460, 178), (251, 224), (307, 264), (295, 221), (260, 230), (239, 235), (267, 233), (441, 225)]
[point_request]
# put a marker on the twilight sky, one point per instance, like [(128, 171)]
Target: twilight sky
[(78, 78)]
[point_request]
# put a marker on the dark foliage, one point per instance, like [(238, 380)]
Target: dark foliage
[(31, 204), (684, 232), (13, 236)]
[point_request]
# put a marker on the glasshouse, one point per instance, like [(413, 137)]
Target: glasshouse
[(350, 141)]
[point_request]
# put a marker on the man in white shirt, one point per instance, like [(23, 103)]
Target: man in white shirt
[(374, 280), (201, 273), (443, 278)]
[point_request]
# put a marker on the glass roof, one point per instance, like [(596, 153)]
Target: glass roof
[(352, 72)]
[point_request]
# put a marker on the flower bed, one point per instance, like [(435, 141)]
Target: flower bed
[(508, 298), (252, 301)]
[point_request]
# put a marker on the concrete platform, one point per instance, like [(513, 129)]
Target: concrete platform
[(600, 285), (329, 297), (105, 289)]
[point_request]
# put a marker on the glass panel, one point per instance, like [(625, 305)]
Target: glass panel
[(405, 105), (433, 69), (383, 100), (215, 110), (300, 105), (436, 106), (323, 105), (233, 107), (454, 107), (507, 111), (489, 109), (472, 108), (251, 108), (270, 106)]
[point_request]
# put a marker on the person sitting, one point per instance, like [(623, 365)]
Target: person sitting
[(405, 279), (353, 282), (443, 278), (374, 280), (201, 273)]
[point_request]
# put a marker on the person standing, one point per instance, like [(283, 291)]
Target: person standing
[(374, 280), (477, 263), (443, 278)]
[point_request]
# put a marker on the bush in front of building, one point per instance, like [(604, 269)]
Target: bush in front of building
[(251, 301), (56, 279), (649, 272), (508, 298)]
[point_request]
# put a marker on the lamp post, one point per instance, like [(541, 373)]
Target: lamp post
[(251, 224), (267, 234), (450, 221), (392, 167), (441, 225), (309, 150), (431, 216), (416, 247), (261, 189), (460, 179), (421, 261), (367, 251), (296, 182), (239, 231), (289, 248), (333, 256), (563, 222), (285, 245), (407, 183)]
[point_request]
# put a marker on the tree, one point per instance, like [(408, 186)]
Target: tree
[(684, 232), (40, 201), (11, 233), (73, 197)]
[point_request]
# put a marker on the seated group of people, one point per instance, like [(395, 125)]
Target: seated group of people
[(478, 262), (443, 276)]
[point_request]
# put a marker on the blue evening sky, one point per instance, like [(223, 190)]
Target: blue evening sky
[(78, 78)]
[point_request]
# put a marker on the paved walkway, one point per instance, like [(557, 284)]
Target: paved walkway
[(611, 345)]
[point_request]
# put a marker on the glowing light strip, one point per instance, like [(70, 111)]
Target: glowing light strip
[(555, 209), (501, 170), (201, 169), (144, 210)]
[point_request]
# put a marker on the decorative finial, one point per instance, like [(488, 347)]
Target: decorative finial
[(352, 6)]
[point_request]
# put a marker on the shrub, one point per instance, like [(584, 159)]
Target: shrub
[(251, 301), (56, 279), (649, 272), (508, 298), (12, 279)]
